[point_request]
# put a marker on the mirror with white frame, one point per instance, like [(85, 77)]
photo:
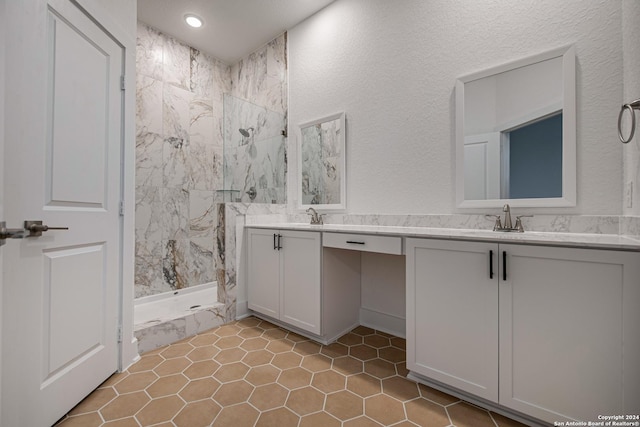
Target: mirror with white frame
[(321, 164), (516, 133)]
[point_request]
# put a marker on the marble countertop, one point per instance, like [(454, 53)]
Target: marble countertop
[(578, 240)]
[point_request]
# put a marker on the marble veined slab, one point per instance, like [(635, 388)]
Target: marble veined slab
[(578, 240)]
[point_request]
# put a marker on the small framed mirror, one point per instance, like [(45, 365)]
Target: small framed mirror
[(516, 133), (321, 164)]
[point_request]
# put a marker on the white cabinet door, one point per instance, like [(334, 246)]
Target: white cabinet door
[(301, 287), (263, 287), (452, 314), (569, 346), (284, 278)]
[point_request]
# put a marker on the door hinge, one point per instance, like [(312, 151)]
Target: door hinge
[(119, 333), (122, 84), (121, 209)]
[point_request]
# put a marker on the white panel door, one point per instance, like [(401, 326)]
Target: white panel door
[(301, 292), (62, 165), (263, 293), (569, 332), (482, 166), (452, 314)]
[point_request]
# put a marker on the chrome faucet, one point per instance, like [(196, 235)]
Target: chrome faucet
[(507, 216), (315, 218), (508, 226)]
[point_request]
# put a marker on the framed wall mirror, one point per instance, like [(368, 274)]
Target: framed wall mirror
[(516, 133), (321, 164)]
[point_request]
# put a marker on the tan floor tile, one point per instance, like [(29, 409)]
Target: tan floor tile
[(305, 348), (258, 357), (379, 368), (293, 337), (316, 362), (135, 382), (364, 385), (146, 363), (202, 369), (204, 340), (114, 379), (85, 420), (226, 330), (281, 417), (335, 350), (466, 415), (124, 422), (405, 423), (248, 322), (363, 330), (377, 341), (400, 343), (94, 401), (232, 393), (503, 421), (265, 324), (274, 334), (400, 388), (286, 360), (328, 381), (236, 416), (384, 409), (427, 414), (363, 352), (347, 365), (203, 353), (305, 401), (295, 378), (321, 419), (393, 354), (197, 414), (230, 355), (262, 375), (199, 389), (251, 332), (254, 344), (436, 395), (401, 369), (229, 342), (350, 339), (362, 422), (343, 405), (176, 350), (280, 346), (172, 366), (269, 396), (159, 410), (231, 372), (167, 385), (124, 406)]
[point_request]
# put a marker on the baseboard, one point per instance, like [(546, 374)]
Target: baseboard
[(490, 406), (383, 322), (242, 310)]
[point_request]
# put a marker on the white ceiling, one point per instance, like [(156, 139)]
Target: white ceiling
[(232, 28)]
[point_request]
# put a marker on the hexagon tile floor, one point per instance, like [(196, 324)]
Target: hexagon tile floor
[(253, 373)]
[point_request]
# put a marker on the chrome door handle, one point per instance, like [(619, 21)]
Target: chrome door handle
[(9, 233), (36, 228)]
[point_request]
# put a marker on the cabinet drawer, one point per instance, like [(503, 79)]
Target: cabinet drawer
[(363, 242)]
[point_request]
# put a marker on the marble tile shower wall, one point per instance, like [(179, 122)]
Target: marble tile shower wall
[(179, 149)]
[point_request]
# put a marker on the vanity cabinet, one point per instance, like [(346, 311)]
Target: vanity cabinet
[(547, 331), (284, 276)]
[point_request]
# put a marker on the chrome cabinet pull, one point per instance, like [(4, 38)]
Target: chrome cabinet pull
[(635, 105)]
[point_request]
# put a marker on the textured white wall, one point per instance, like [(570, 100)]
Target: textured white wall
[(631, 59), (391, 66)]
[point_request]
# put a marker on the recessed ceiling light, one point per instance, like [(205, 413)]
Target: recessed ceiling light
[(193, 21)]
